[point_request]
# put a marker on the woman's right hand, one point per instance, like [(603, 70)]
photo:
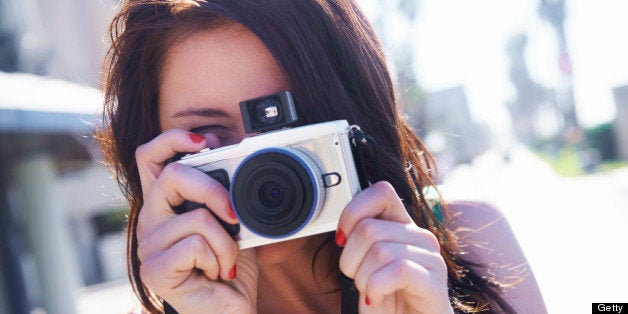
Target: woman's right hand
[(190, 260)]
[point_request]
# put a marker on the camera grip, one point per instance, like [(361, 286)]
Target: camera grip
[(222, 177), (189, 206)]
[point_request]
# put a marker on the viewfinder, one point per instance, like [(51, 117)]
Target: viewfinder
[(270, 112)]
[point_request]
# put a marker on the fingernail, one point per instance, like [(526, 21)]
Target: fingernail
[(232, 213), (196, 138), (367, 301), (341, 238), (232, 273)]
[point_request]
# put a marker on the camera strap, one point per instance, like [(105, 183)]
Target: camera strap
[(364, 149), (349, 295)]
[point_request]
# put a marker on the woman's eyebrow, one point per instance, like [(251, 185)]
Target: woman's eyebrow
[(204, 112)]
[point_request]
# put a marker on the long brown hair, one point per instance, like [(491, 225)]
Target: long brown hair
[(334, 62)]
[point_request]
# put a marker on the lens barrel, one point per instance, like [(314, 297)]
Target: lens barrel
[(277, 191)]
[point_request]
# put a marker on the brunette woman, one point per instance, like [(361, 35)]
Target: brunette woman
[(174, 76)]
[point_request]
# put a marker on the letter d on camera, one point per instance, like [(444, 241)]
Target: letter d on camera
[(285, 183)]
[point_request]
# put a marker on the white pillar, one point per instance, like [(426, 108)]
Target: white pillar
[(621, 121), (47, 233)]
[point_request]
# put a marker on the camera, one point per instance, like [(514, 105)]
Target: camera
[(284, 183)]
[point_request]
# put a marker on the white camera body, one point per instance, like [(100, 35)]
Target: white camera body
[(285, 184)]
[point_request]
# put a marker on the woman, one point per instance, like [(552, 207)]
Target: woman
[(175, 74)]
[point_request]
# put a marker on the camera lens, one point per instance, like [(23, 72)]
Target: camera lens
[(268, 111), (277, 191), (271, 194)]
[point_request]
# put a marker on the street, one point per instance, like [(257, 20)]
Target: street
[(572, 230)]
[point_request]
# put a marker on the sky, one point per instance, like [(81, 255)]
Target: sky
[(459, 42)]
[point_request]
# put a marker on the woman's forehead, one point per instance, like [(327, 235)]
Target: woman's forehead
[(222, 66)]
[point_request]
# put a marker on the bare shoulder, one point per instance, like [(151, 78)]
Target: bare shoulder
[(488, 240), (474, 213), (486, 236)]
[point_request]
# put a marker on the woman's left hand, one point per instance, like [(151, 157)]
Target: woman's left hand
[(396, 265)]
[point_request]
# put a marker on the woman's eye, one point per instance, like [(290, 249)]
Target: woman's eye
[(225, 135), (209, 129)]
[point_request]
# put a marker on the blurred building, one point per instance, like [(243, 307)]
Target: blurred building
[(449, 130), (60, 213), (63, 38), (59, 218)]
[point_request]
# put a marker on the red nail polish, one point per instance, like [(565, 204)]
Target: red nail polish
[(232, 273), (341, 238), (231, 212), (367, 301), (196, 138)]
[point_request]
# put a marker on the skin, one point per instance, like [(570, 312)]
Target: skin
[(191, 262), (498, 248)]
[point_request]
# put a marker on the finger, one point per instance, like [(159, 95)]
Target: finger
[(384, 253), (171, 269), (379, 200), (370, 231), (197, 222), (178, 183), (400, 275), (151, 157)]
